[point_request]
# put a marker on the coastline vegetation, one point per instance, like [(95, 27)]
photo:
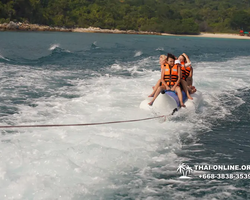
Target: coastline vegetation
[(172, 16)]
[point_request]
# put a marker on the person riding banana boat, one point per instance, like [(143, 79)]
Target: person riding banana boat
[(187, 73), (170, 79), (162, 61)]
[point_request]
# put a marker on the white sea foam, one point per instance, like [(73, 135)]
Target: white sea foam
[(53, 46), (160, 49), (2, 57), (138, 53), (101, 161)]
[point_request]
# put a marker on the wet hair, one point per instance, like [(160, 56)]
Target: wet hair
[(170, 56)]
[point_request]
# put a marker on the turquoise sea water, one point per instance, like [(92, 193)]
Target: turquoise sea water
[(59, 78)]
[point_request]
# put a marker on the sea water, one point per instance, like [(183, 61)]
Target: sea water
[(77, 78)]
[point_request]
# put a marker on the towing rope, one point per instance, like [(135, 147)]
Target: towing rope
[(87, 124)]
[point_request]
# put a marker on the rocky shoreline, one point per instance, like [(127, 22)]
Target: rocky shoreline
[(18, 26)]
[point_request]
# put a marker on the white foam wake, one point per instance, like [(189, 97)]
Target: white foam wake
[(101, 161)]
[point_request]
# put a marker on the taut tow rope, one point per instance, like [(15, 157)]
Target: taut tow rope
[(86, 124)]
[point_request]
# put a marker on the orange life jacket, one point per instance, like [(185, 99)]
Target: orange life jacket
[(185, 71), (188, 69), (170, 74)]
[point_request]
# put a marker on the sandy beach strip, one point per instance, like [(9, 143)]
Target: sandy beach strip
[(18, 26), (206, 35), (214, 35)]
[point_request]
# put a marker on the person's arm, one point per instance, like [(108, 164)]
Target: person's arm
[(162, 78), (178, 80), (187, 64), (187, 58), (191, 73), (190, 78)]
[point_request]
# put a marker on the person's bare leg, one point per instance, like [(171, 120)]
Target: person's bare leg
[(179, 94), (155, 88), (185, 87), (189, 81), (156, 94), (157, 84)]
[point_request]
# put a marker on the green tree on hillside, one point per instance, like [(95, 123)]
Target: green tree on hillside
[(172, 16), (240, 19)]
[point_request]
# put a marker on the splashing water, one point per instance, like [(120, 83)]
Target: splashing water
[(54, 46), (136, 160)]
